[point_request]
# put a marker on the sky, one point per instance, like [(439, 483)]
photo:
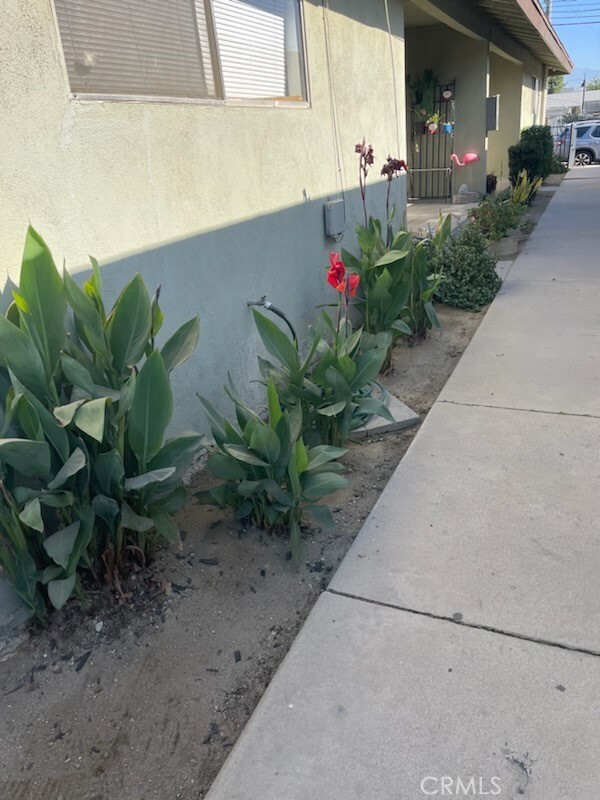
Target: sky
[(577, 22)]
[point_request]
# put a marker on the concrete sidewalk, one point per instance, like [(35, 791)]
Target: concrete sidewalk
[(457, 650)]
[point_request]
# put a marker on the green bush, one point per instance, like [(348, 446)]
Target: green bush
[(470, 279), (533, 153), (86, 478), (496, 215)]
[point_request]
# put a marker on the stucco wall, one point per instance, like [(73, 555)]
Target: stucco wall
[(506, 79), (218, 204)]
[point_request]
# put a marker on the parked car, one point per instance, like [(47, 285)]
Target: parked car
[(587, 147)]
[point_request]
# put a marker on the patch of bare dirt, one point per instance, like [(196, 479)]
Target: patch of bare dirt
[(144, 701)]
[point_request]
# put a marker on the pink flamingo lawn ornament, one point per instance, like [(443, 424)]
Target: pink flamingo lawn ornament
[(468, 158)]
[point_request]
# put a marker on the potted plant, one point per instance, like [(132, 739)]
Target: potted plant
[(433, 122)]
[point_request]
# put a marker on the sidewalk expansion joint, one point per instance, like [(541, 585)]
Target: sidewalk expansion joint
[(517, 408), (473, 625)]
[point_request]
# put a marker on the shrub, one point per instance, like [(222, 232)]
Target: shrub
[(532, 153), (85, 475), (470, 279), (270, 477), (496, 215)]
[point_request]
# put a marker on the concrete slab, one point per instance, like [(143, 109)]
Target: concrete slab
[(537, 348), (404, 417), (502, 268), (492, 515), (376, 704)]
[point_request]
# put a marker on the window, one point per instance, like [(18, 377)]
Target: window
[(596, 132), (581, 132), (204, 49)]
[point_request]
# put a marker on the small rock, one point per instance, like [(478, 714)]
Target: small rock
[(99, 625), (237, 656)]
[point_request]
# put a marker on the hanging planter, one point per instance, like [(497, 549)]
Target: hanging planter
[(433, 123)]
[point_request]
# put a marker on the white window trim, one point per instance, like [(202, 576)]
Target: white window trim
[(196, 101)]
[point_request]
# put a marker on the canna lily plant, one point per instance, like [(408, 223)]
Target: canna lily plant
[(396, 286), (87, 480), (270, 477), (334, 384)]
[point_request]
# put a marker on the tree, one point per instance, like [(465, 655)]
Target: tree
[(556, 83), (594, 83)]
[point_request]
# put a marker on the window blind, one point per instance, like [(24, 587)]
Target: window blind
[(252, 47), (137, 47)]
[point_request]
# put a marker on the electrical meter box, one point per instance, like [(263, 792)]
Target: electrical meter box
[(335, 217)]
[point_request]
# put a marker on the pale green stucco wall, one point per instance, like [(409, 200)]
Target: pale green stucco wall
[(505, 80), (218, 204)]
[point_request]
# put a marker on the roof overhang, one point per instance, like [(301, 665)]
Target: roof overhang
[(526, 22)]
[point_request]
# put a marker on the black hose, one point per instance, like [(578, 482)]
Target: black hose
[(275, 310)]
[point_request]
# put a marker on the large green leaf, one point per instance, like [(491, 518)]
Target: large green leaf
[(147, 479), (64, 414), (178, 452), (151, 410), (18, 352), (84, 537), (165, 524), (74, 463), (109, 471), (131, 324), (265, 442), (55, 434), (133, 521), (29, 419), (276, 342), (26, 456), (242, 453), (77, 375), (26, 579), (368, 366), (59, 591), (182, 344), (106, 508), (87, 313), (32, 515), (322, 454), (41, 288), (316, 486), (90, 416), (391, 257), (60, 545)]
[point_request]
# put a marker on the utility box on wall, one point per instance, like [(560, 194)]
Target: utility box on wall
[(335, 217), (492, 113)]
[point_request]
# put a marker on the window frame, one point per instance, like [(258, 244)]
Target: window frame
[(84, 97)]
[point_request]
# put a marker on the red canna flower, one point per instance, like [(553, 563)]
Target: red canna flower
[(336, 273), (353, 282)]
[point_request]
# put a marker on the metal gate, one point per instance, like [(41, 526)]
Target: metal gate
[(430, 165)]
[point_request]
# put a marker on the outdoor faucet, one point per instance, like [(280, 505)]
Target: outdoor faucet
[(268, 305)]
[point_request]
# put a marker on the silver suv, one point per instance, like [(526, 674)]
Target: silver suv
[(587, 148)]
